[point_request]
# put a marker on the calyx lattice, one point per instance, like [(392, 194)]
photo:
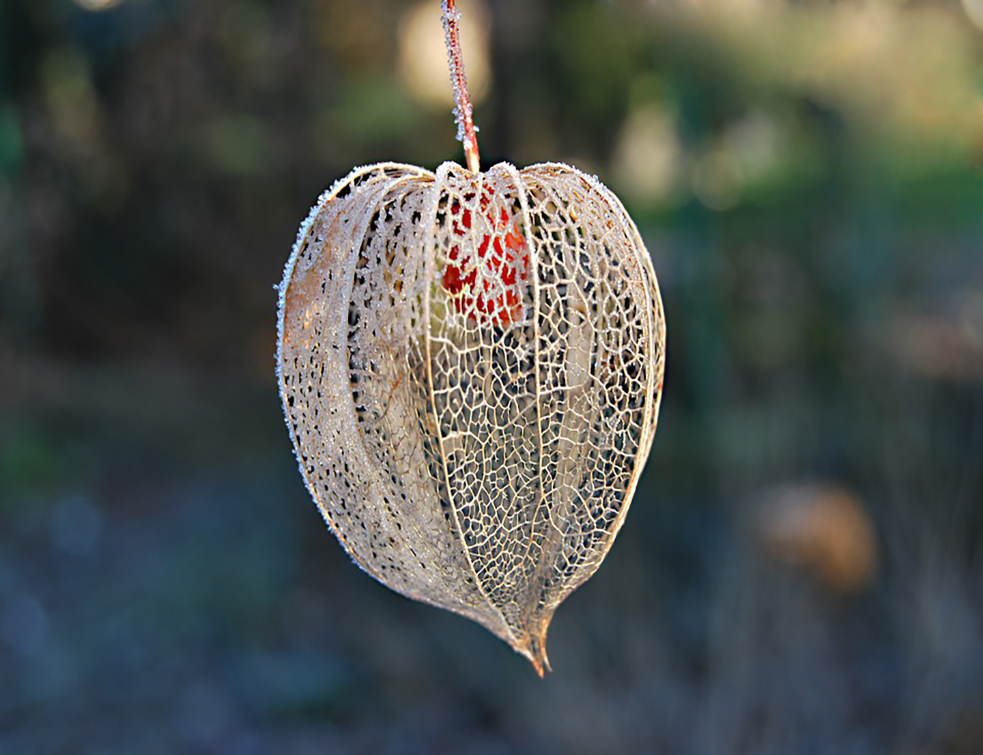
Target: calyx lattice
[(471, 368)]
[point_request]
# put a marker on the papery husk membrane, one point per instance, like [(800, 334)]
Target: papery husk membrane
[(478, 449)]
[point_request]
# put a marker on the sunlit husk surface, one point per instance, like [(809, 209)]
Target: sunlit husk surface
[(472, 447)]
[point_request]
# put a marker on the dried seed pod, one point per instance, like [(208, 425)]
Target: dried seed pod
[(471, 368)]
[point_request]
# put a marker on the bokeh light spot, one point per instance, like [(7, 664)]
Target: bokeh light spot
[(96, 6), (974, 9), (718, 179), (649, 159)]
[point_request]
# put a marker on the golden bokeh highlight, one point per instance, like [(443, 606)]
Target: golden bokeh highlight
[(823, 528), (97, 6), (649, 159)]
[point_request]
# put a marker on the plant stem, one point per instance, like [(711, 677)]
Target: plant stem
[(466, 131)]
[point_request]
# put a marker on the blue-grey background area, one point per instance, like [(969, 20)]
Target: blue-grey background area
[(801, 570)]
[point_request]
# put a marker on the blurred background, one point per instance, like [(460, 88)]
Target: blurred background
[(802, 568)]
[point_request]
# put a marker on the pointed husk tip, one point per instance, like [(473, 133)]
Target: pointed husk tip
[(533, 648)]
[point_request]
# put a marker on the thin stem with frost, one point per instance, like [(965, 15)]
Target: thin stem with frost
[(466, 131)]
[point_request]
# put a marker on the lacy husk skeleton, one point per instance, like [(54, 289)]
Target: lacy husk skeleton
[(471, 367)]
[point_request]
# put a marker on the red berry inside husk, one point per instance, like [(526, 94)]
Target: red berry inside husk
[(488, 289)]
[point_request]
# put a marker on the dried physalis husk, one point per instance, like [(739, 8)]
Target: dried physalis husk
[(471, 368)]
